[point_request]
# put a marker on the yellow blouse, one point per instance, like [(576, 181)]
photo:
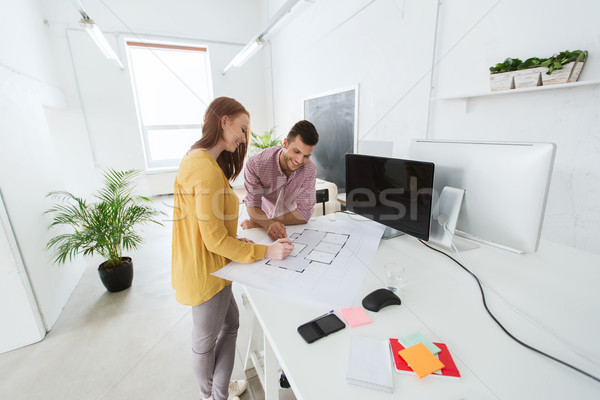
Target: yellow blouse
[(205, 218)]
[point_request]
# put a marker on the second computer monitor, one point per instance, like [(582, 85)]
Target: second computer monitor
[(506, 187)]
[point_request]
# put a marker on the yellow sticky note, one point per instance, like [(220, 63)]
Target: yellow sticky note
[(421, 360)]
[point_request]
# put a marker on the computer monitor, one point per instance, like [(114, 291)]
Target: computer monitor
[(506, 187), (394, 192)]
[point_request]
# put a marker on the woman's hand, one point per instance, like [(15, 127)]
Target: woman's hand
[(279, 249), (245, 240)]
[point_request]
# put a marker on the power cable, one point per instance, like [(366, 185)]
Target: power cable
[(502, 327)]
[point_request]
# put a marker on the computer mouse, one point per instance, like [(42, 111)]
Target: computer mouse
[(379, 299)]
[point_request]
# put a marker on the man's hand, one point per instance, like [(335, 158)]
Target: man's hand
[(249, 224), (276, 231)]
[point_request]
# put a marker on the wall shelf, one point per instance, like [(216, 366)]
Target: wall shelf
[(514, 91)]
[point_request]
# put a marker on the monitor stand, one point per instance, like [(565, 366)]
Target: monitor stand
[(461, 244), (444, 218), (391, 233)]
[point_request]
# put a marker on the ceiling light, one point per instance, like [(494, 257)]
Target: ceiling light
[(259, 40), (247, 52), (92, 29)]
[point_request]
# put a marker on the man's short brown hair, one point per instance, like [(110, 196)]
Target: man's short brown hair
[(307, 132)]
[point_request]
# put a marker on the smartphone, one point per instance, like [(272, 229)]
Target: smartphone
[(320, 327)]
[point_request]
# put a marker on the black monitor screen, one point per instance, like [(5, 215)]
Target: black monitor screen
[(391, 191)]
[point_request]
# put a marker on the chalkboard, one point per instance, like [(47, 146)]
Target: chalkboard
[(334, 115)]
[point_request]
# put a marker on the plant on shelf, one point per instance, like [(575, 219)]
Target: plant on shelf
[(564, 57), (266, 140), (510, 64), (532, 62), (106, 227), (535, 71)]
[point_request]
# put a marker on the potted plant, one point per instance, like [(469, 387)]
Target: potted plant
[(560, 68), (564, 67), (529, 73), (515, 74), (106, 227), (501, 76), (267, 139)]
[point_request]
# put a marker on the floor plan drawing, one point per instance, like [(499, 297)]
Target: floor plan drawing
[(331, 257), (312, 246)]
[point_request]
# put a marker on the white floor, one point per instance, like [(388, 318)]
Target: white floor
[(129, 345)]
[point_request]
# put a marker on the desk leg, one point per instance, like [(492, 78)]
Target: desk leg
[(271, 385), (260, 355), (254, 347)]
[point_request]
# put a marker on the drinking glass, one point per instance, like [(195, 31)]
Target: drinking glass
[(394, 276)]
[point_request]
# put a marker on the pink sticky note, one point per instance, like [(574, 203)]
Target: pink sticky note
[(355, 316)]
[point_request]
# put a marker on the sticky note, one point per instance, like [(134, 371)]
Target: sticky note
[(417, 337), (421, 360), (355, 316)]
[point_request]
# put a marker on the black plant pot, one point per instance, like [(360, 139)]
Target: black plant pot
[(119, 278)]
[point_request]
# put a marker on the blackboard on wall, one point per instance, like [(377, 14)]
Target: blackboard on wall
[(334, 114)]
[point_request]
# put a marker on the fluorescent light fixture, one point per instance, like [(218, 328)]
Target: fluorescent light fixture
[(92, 29), (259, 40), (278, 17), (247, 52)]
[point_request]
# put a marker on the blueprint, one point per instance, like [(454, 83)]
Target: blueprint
[(310, 246), (328, 265)]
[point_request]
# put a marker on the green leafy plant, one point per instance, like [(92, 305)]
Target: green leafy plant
[(510, 64), (266, 140), (555, 62), (106, 227), (564, 57), (532, 62)]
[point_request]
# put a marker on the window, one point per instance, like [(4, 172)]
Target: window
[(172, 86)]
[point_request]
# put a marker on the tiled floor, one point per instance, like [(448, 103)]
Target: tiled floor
[(129, 345)]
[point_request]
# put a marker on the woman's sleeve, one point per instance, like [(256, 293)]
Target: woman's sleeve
[(210, 212)]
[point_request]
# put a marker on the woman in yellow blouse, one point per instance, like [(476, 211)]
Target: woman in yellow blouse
[(204, 240)]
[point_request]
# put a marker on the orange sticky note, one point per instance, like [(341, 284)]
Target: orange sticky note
[(421, 360)]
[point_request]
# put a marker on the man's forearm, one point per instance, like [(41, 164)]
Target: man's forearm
[(258, 215), (291, 218)]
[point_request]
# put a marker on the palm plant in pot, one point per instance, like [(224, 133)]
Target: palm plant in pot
[(106, 227)]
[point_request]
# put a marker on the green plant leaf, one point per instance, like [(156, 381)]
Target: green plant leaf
[(552, 63), (106, 227), (266, 140)]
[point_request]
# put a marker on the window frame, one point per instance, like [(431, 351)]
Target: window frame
[(144, 129)]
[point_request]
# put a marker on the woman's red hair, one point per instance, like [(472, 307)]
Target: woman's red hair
[(212, 132)]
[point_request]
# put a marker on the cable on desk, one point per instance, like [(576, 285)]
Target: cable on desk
[(502, 327)]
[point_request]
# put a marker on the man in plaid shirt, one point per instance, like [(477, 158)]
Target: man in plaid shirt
[(280, 182)]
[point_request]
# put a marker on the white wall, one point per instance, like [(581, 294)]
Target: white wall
[(387, 46), (29, 167), (21, 321), (337, 43), (477, 36)]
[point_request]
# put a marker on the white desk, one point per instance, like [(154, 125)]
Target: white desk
[(549, 299)]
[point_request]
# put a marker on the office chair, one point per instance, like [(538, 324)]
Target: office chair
[(323, 197)]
